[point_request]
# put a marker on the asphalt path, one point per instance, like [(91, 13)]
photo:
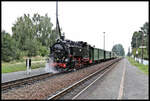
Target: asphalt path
[(21, 74), (122, 82), (136, 83)]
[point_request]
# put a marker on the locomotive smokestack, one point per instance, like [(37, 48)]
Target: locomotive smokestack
[(56, 17), (57, 23)]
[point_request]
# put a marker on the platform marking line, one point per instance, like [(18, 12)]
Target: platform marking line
[(90, 84), (122, 83)]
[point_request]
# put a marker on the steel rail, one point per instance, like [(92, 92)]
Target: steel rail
[(15, 83)]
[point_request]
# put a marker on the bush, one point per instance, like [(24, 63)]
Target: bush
[(43, 51), (9, 49)]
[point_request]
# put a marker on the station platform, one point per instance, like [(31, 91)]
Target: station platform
[(122, 82), (21, 74)]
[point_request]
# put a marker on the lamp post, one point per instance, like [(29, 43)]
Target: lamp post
[(142, 46), (136, 56), (104, 40)]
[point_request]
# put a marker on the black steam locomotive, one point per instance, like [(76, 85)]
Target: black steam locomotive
[(69, 55)]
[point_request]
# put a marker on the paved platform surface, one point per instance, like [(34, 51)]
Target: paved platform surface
[(136, 84), (21, 74), (122, 82)]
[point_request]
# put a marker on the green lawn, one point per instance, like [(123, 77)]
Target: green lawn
[(36, 58), (9, 67), (142, 67)]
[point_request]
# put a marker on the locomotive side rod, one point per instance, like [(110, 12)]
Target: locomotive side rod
[(64, 91)]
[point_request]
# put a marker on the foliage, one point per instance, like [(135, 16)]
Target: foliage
[(136, 39), (43, 51), (134, 51), (22, 30), (145, 56), (31, 36), (118, 49), (9, 50), (43, 29), (145, 28), (140, 38)]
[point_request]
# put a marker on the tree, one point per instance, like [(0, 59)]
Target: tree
[(31, 34), (137, 41), (129, 54), (23, 33), (43, 51), (145, 30), (118, 49), (9, 51), (23, 30), (44, 33)]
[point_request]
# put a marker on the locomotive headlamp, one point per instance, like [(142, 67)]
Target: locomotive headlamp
[(66, 60)]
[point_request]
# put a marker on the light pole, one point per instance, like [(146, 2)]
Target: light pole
[(142, 46), (136, 50), (104, 40)]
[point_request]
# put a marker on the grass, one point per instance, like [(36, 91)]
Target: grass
[(36, 58), (142, 67), (9, 67), (20, 65)]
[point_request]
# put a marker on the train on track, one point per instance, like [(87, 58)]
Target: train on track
[(69, 55)]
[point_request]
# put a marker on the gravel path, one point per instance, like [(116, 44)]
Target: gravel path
[(43, 89)]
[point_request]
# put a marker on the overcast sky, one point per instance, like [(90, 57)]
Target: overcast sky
[(85, 21)]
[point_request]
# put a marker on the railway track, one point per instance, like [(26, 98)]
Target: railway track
[(104, 70), (27, 80), (16, 83), (41, 89)]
